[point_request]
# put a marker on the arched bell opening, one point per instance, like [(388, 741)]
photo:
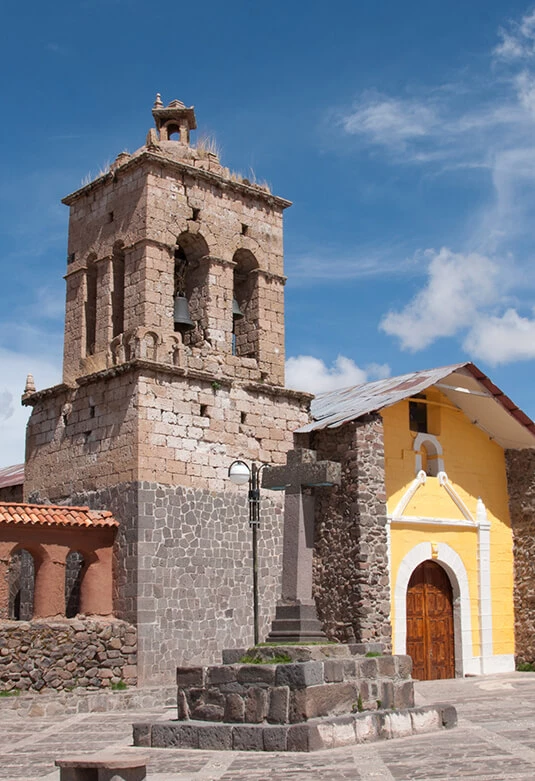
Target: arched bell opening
[(245, 305), (21, 580), (190, 280)]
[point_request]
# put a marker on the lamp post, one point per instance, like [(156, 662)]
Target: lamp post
[(240, 473)]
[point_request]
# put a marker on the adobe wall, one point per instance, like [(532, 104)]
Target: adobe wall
[(521, 485), (59, 655), (351, 581)]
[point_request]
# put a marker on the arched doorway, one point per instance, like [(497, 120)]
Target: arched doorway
[(430, 636)]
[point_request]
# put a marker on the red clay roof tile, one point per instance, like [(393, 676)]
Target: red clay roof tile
[(54, 515)]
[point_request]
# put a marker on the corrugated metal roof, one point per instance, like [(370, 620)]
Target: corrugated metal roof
[(11, 475), (53, 515), (465, 386), (334, 408)]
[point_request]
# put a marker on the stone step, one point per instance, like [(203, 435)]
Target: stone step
[(313, 735)]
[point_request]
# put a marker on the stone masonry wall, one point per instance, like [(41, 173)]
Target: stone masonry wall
[(183, 570), (521, 485), (292, 693), (59, 655), (351, 580), (82, 438), (152, 424), (150, 200)]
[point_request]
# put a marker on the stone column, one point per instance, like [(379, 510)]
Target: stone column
[(49, 590), (74, 343), (217, 302), (96, 588), (295, 617)]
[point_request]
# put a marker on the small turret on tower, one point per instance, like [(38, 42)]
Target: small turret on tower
[(176, 118)]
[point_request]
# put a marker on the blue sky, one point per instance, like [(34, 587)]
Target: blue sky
[(404, 133)]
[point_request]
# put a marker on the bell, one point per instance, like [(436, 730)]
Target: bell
[(237, 314), (183, 321)]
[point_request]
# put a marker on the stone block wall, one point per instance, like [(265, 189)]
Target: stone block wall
[(62, 655), (150, 423), (351, 569), (184, 570), (521, 485), (147, 203), (293, 693)]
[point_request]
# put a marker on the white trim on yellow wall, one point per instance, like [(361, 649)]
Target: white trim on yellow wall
[(424, 439), (452, 563)]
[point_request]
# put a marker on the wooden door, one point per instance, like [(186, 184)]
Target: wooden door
[(430, 623)]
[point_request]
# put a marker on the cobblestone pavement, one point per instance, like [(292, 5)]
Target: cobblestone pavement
[(495, 740)]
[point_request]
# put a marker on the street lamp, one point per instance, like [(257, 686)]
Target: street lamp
[(240, 473)]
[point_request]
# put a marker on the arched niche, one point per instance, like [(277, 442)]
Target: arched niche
[(429, 455), (245, 294)]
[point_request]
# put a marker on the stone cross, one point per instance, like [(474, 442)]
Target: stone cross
[(295, 616)]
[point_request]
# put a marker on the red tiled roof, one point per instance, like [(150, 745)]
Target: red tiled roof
[(11, 475), (54, 515)]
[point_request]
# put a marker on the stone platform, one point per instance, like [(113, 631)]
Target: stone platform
[(323, 697)]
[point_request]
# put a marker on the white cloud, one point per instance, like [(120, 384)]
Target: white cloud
[(518, 41), (499, 340), (475, 291), (307, 373), (6, 405), (457, 286), (331, 265), (389, 121), (13, 417)]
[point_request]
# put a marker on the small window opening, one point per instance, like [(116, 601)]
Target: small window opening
[(71, 257), (65, 419), (243, 417), (195, 214), (244, 229), (204, 410), (172, 131), (418, 415), (110, 216), (91, 410)]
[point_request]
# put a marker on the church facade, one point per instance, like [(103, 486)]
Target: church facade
[(435, 500)]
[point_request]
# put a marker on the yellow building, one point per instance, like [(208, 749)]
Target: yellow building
[(444, 516)]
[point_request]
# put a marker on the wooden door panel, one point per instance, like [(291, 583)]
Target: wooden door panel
[(430, 623)]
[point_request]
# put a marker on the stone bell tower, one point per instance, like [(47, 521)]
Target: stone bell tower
[(173, 367)]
